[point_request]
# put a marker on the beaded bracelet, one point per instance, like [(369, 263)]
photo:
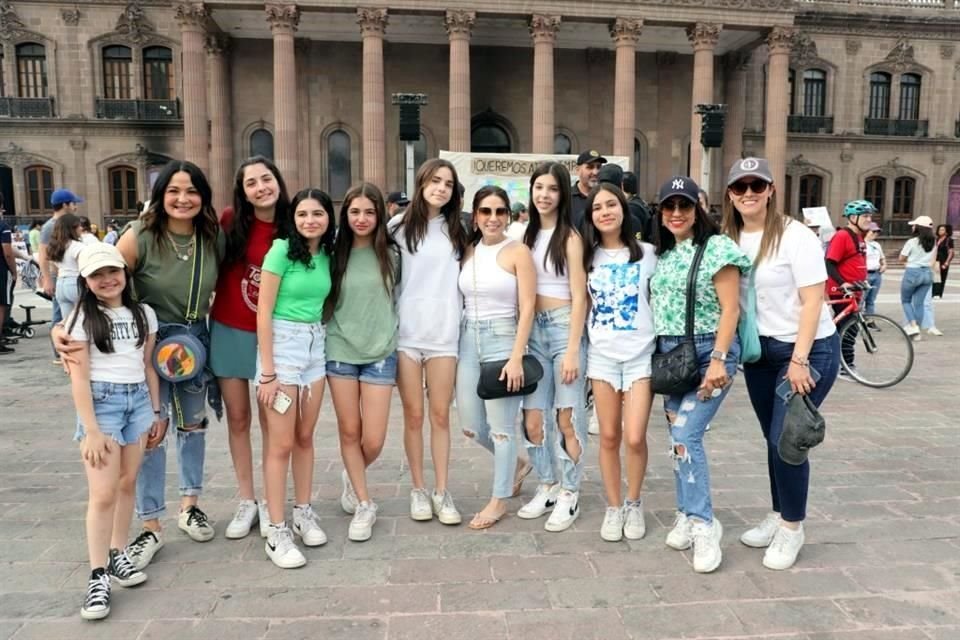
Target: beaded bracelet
[(797, 360)]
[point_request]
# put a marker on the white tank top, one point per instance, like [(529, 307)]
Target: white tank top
[(549, 284), (495, 294)]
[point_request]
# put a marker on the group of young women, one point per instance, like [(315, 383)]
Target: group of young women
[(306, 296)]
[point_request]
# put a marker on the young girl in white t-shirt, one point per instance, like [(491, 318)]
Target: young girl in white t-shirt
[(64, 247), (115, 391)]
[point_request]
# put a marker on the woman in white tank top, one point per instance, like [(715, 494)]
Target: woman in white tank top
[(498, 282), (557, 341)]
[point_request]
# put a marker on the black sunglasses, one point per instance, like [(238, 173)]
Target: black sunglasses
[(677, 204), (487, 211), (757, 186)]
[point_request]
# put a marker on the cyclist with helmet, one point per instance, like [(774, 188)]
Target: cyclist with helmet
[(847, 256)]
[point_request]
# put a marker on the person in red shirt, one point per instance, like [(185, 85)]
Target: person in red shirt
[(260, 198)]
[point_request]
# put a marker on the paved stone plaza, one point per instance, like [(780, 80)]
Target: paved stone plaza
[(882, 560)]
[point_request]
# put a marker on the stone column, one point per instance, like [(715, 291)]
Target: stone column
[(373, 26), (778, 95), (664, 156), (221, 116), (283, 19), (703, 36), (192, 17), (459, 24), (736, 109), (543, 30), (301, 49), (625, 33), (82, 178)]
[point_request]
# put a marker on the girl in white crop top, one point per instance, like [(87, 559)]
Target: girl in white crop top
[(498, 282)]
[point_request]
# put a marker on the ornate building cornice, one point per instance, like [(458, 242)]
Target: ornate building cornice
[(804, 51), (282, 18), (626, 30), (781, 39), (70, 17), (459, 22), (372, 21), (217, 44), (11, 26), (133, 25), (704, 35), (544, 28), (191, 14)]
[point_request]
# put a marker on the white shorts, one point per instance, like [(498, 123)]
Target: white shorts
[(620, 374)]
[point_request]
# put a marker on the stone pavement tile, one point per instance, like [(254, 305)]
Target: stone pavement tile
[(906, 578), (593, 593), (512, 568), (944, 633), (26, 551), (658, 561), (474, 544), (580, 624), (934, 489), (264, 574), (456, 626), (159, 604), (388, 547), (8, 629), (721, 585), (36, 576), (702, 620), (439, 570), (79, 629), (855, 512), (573, 542), (11, 529), (883, 493), (803, 583), (326, 601), (814, 556), (935, 508), (898, 610), (490, 596), (19, 605), (204, 629), (873, 634), (326, 629), (894, 529), (66, 529), (784, 616), (911, 551)]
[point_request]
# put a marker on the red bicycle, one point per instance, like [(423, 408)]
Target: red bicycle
[(875, 350)]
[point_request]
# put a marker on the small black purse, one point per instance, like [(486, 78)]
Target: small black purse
[(678, 371)]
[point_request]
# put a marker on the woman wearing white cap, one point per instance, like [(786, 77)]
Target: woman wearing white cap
[(917, 254)]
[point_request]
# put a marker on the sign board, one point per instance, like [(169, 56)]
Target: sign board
[(819, 216)]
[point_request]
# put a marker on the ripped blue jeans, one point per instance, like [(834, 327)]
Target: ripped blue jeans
[(689, 422)]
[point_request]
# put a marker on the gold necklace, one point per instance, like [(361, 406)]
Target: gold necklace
[(187, 248)]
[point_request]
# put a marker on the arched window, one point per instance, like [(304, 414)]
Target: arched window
[(874, 190), (910, 96), (814, 92), (879, 95), (811, 191), (122, 182), (338, 163), (562, 144), (489, 137), (261, 144), (158, 73), (903, 191), (39, 179), (31, 70), (117, 64)]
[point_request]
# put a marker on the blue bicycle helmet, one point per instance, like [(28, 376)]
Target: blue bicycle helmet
[(859, 208)]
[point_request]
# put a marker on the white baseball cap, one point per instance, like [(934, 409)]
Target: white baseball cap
[(97, 256), (922, 221)]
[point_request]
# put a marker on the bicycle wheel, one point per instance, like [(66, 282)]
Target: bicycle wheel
[(875, 350)]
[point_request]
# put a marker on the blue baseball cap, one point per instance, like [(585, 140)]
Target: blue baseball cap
[(64, 196)]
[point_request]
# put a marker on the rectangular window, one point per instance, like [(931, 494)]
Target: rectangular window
[(32, 76), (814, 94), (116, 80), (879, 96)]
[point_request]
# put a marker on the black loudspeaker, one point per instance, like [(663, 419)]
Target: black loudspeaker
[(711, 129), (409, 122)]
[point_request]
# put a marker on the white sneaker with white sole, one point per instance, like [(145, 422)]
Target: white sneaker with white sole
[(783, 550), (679, 536), (243, 519), (565, 513), (306, 524), (444, 508), (762, 535), (634, 524), (281, 548), (706, 545), (544, 499), (612, 528), (348, 497), (361, 526), (420, 507)]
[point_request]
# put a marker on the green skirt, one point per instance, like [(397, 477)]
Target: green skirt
[(233, 352)]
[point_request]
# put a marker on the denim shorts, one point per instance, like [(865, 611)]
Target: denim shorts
[(123, 411), (298, 352), (382, 372), (620, 374), (420, 356)]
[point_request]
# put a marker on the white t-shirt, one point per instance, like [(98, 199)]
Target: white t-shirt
[(69, 267), (621, 322), (89, 238), (125, 365), (797, 263), (516, 230), (915, 255), (429, 304), (874, 255)]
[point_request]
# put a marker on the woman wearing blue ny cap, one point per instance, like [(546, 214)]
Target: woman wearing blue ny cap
[(797, 339), (686, 230)]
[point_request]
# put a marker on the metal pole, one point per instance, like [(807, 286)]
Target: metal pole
[(705, 170), (410, 167)]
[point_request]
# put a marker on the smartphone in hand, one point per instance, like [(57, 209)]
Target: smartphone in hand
[(281, 402), (785, 391)]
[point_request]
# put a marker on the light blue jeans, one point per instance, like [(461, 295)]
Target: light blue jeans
[(548, 344), (690, 469), (916, 284), (929, 320), (489, 423), (66, 294), (875, 279)]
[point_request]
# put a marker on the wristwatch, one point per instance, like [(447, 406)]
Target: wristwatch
[(718, 355)]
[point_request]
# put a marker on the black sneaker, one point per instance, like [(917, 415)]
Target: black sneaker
[(122, 570), (96, 606), (5, 349)]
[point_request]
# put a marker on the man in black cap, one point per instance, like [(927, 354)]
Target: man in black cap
[(397, 201), (588, 171), (640, 210)]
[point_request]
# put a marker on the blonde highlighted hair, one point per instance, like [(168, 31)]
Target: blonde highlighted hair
[(773, 225)]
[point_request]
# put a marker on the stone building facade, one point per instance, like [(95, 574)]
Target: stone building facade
[(847, 98)]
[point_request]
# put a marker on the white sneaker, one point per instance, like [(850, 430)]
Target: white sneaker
[(264, 517), (306, 524), (934, 331), (679, 536), (361, 526), (420, 508), (565, 513), (246, 514), (594, 427), (544, 499), (444, 508), (195, 524), (281, 548), (634, 525), (911, 330), (783, 550), (612, 528), (706, 545), (144, 547), (348, 497), (762, 535)]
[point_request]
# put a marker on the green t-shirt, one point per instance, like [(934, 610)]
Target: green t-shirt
[(668, 287), (302, 290), (363, 328)]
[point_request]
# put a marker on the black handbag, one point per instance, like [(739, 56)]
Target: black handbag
[(678, 371)]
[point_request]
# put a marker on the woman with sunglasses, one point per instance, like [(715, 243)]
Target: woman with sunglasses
[(797, 336), (685, 228)]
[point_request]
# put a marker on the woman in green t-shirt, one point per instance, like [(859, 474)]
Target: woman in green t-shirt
[(362, 344), (291, 365)]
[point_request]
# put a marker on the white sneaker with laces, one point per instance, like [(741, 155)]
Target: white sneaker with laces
[(565, 513), (243, 520), (195, 524), (934, 331), (144, 547), (544, 499), (912, 329), (444, 508), (361, 526), (612, 528), (783, 550), (420, 507), (264, 517), (762, 535), (679, 536), (706, 545), (348, 497), (594, 427), (306, 524), (281, 548), (634, 524)]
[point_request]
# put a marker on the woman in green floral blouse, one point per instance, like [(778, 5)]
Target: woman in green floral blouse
[(684, 226)]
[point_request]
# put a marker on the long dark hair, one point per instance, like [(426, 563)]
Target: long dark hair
[(925, 234), (64, 231), (490, 190), (298, 249), (703, 228), (415, 220), (948, 228), (591, 235), (557, 249), (384, 246), (155, 217), (238, 233), (96, 323)]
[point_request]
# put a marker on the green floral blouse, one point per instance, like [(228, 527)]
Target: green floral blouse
[(668, 287)]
